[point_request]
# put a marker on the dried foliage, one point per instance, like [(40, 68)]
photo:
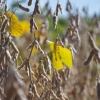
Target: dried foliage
[(48, 74)]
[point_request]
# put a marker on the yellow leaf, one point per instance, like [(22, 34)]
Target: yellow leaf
[(25, 26), (15, 27), (66, 56), (51, 45), (56, 61), (60, 55)]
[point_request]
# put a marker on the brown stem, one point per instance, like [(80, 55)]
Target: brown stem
[(31, 51)]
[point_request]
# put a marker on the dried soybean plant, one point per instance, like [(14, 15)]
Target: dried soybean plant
[(44, 81), (10, 79), (55, 16), (50, 85), (47, 84), (95, 55), (36, 10), (72, 33)]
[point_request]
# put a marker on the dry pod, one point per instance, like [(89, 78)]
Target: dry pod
[(8, 55), (49, 65), (27, 68), (89, 58), (29, 2), (58, 77), (6, 42), (55, 20), (4, 25), (77, 20), (68, 6), (73, 50), (92, 44), (77, 34), (37, 9), (42, 95), (23, 8), (53, 79), (42, 68), (2, 56), (54, 95), (13, 55), (40, 50), (35, 91), (58, 7), (73, 34), (69, 31), (67, 72), (31, 25), (63, 75), (36, 44), (65, 97), (44, 78), (61, 96), (55, 16), (47, 95), (98, 89), (30, 89), (14, 47), (34, 23)]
